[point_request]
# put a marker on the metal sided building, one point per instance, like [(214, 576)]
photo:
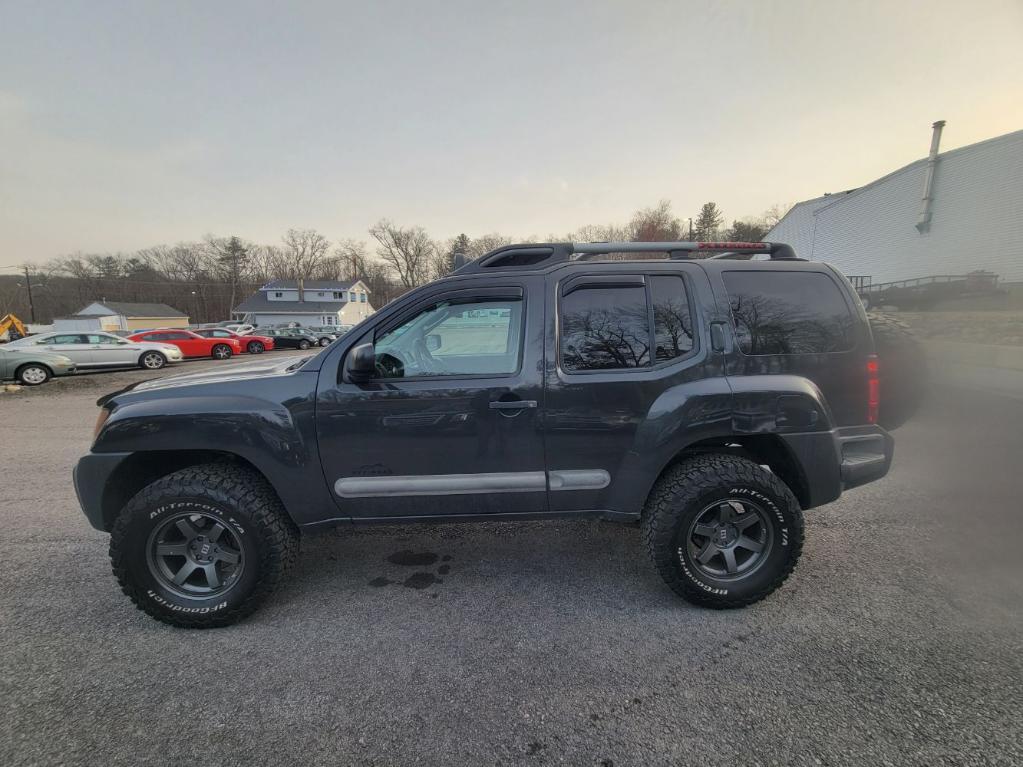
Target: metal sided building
[(947, 214)]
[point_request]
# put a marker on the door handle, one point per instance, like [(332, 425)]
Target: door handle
[(517, 404)]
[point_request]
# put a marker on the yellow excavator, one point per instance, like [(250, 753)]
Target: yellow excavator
[(12, 327)]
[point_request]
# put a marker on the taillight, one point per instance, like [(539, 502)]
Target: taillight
[(873, 390)]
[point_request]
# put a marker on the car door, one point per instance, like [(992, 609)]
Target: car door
[(73, 345), (451, 424), (630, 379), (111, 351)]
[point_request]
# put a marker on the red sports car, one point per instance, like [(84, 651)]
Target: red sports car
[(192, 344), (253, 344)]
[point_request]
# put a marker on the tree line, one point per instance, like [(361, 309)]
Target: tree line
[(207, 278)]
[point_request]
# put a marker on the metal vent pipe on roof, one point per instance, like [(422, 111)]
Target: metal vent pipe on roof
[(923, 223)]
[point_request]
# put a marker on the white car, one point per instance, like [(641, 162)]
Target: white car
[(102, 350), (239, 328)]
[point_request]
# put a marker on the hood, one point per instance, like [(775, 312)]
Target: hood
[(233, 373)]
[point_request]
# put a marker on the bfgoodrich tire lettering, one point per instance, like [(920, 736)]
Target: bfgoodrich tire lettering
[(722, 532), (255, 529)]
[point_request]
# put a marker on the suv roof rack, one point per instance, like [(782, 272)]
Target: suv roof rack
[(535, 254)]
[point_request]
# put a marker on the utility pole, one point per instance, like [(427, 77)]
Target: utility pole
[(31, 303), (690, 229)]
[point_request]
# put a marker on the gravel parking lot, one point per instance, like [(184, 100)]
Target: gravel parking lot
[(897, 640)]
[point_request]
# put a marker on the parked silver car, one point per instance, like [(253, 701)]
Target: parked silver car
[(31, 367), (102, 350)]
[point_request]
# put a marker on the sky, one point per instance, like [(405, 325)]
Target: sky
[(126, 125)]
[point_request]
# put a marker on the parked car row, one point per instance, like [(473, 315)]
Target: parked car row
[(33, 360)]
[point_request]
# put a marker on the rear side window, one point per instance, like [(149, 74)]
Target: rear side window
[(623, 327), (788, 313)]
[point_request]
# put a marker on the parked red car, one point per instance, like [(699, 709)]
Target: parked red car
[(253, 344), (192, 344)]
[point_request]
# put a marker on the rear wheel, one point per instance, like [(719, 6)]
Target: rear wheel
[(723, 532), (221, 352), (202, 547), (152, 361), (324, 341), (33, 374), (903, 373), (303, 344), (256, 347)]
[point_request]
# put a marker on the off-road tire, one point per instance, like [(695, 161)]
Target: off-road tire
[(303, 344), (244, 503), (902, 365), (28, 374), (152, 355), (221, 352), (685, 492)]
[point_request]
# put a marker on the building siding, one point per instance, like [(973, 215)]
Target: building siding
[(977, 219)]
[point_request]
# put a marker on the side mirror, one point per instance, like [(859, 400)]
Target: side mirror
[(360, 364), (432, 342)]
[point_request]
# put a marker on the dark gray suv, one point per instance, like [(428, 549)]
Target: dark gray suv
[(711, 400)]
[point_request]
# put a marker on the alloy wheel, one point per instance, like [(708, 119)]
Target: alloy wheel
[(195, 554), (729, 539), (153, 361)]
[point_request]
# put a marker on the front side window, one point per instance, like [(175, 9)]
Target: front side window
[(788, 313), (471, 338)]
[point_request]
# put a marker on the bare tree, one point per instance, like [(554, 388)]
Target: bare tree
[(655, 224), (305, 250), (408, 251)]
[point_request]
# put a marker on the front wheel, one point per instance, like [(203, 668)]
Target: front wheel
[(255, 347), (33, 375), (722, 531), (221, 352), (324, 342), (202, 547), (303, 344), (152, 361)]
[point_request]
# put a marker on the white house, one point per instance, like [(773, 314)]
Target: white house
[(309, 302), (968, 217)]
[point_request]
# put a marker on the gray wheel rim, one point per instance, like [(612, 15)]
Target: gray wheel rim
[(255, 347), (33, 375), (153, 361), (729, 539), (221, 352), (324, 342), (303, 344), (194, 554)]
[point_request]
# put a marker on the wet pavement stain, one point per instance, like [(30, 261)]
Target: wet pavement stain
[(446, 558), (412, 559), (421, 580), (444, 569), (378, 582)]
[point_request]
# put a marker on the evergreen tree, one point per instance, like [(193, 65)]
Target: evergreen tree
[(708, 222), (232, 258)]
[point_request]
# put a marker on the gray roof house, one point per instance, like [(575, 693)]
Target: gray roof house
[(949, 213), (122, 315), (309, 302)]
